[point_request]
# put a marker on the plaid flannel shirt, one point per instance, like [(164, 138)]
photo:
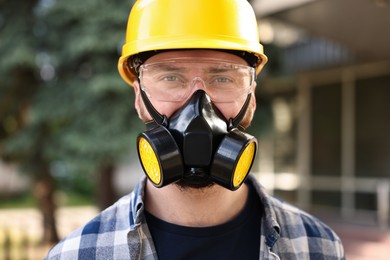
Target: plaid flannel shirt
[(121, 232)]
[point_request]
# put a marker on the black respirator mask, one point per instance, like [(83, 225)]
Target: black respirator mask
[(196, 144)]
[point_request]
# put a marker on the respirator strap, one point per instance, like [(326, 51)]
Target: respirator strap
[(157, 117), (234, 122)]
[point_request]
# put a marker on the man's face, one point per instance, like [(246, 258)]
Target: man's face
[(196, 60)]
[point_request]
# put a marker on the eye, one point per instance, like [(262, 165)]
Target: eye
[(170, 78), (223, 80)]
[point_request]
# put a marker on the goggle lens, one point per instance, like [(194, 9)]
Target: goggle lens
[(174, 80)]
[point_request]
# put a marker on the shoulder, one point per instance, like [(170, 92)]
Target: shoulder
[(296, 222), (294, 233), (105, 234), (300, 232)]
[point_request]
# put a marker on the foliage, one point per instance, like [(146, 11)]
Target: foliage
[(18, 72), (80, 113), (65, 114), (93, 110)]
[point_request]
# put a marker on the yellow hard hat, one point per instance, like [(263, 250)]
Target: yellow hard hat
[(155, 25)]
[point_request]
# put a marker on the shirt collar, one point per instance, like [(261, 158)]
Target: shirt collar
[(270, 227)]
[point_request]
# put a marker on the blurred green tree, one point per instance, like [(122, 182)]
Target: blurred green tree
[(84, 95), (62, 100), (21, 138)]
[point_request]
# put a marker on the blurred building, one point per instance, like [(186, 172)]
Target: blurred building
[(328, 85)]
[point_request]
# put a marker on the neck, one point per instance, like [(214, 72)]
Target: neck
[(195, 207)]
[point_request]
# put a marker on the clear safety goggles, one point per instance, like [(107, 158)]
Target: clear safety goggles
[(176, 79)]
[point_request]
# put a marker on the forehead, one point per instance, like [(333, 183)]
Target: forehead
[(195, 55)]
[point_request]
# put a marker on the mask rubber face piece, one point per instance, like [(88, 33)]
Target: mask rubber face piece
[(198, 127)]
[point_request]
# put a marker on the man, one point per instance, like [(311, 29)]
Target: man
[(192, 65)]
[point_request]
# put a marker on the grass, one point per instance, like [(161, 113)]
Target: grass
[(19, 201), (27, 200)]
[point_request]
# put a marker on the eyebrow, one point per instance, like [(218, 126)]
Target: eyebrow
[(214, 70), (217, 70), (169, 67)]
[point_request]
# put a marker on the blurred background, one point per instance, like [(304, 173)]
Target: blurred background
[(68, 124)]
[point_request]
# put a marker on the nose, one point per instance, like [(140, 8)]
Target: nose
[(198, 83)]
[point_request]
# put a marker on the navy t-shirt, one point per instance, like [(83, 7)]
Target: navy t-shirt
[(236, 239)]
